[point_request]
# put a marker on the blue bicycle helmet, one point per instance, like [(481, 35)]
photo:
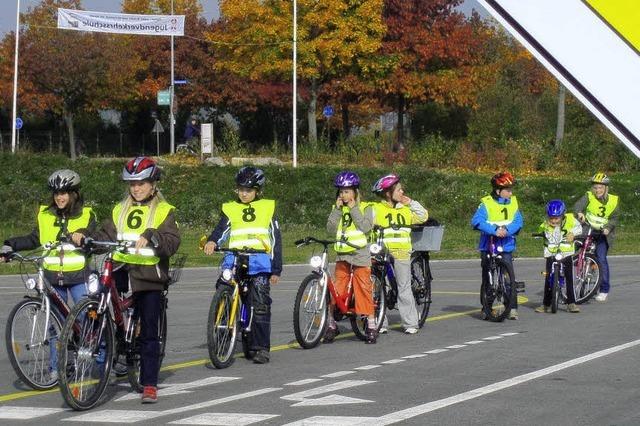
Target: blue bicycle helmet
[(347, 179), (556, 208)]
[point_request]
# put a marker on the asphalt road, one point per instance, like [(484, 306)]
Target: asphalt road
[(560, 369)]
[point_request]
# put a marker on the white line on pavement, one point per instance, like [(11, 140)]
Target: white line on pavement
[(302, 382)]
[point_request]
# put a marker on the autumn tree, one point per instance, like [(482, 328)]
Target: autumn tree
[(335, 38)]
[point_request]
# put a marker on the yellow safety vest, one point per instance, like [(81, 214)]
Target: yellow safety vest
[(500, 214), (394, 239), (597, 213), (348, 231), (69, 258), (250, 223), (137, 220), (568, 223)]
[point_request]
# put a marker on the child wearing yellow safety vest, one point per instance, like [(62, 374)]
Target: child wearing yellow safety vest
[(600, 210), (66, 271), (396, 209), (249, 221), (351, 220), (145, 218), (559, 230)]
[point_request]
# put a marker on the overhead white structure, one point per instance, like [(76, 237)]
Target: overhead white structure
[(591, 46)]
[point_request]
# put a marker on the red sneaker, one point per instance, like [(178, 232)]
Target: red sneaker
[(150, 395)]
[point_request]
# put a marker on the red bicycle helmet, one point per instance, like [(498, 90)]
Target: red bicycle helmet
[(141, 168), (502, 180)]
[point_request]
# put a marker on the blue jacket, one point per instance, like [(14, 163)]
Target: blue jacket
[(258, 263), (479, 222)]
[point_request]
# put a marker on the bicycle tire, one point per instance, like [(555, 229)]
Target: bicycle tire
[(34, 369), (308, 303), (221, 328), (586, 282), (555, 291), (421, 286), (359, 323), (79, 347), (500, 293), (133, 359)]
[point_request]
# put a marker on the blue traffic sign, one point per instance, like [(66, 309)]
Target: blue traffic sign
[(327, 111), (19, 123), (180, 81)]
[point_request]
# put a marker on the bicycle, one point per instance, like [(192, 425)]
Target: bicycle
[(587, 278), (311, 306), (102, 328), (557, 277), (383, 269), (497, 290), (229, 311), (34, 324)]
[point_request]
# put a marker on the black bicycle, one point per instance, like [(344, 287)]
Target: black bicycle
[(498, 287)]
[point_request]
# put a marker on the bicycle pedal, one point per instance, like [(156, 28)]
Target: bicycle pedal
[(520, 286)]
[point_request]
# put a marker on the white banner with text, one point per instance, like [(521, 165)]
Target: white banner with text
[(120, 23)]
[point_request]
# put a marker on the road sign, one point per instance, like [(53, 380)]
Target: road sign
[(180, 81), (206, 138), (157, 128), (19, 123), (164, 97), (327, 111)]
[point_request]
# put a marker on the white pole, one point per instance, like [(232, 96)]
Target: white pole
[(15, 82), (171, 118), (295, 84)]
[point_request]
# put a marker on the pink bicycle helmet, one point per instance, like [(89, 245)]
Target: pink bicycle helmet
[(141, 168), (384, 183)]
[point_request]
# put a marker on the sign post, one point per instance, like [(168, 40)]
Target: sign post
[(206, 139), (327, 111), (157, 129)]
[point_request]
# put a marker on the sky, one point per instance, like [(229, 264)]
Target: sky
[(8, 9)]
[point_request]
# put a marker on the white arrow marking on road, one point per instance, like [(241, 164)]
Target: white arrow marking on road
[(338, 374), (332, 399), (26, 413), (223, 419), (345, 384), (181, 388), (303, 382)]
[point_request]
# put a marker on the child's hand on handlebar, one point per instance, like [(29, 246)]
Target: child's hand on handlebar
[(581, 217), (141, 243), (209, 248), (273, 280), (569, 237), (501, 232), (77, 238)]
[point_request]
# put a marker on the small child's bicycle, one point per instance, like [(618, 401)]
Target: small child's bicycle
[(586, 281), (311, 308), (500, 287), (556, 279)]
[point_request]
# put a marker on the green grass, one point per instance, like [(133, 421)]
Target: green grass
[(305, 196)]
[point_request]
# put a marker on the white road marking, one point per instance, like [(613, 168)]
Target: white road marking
[(338, 374), (302, 382), (473, 342), (26, 413), (456, 346), (333, 421), (224, 419), (493, 338), (181, 388), (509, 334), (436, 351), (393, 361), (332, 399), (414, 356), (345, 384), (368, 367)]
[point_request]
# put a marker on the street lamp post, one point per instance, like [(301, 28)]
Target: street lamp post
[(295, 84), (15, 81), (171, 102)]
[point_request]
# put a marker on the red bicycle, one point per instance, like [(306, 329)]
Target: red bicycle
[(586, 275), (311, 308)]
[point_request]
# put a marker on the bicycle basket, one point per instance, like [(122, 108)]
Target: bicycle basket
[(175, 268), (427, 238)]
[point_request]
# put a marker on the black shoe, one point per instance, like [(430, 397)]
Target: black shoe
[(371, 336), (330, 334), (261, 357)]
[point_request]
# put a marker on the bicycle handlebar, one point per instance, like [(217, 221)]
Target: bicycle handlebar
[(244, 250), (308, 240)]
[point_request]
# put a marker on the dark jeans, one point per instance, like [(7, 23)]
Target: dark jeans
[(260, 299), (602, 247), (148, 305), (567, 264), (507, 258)]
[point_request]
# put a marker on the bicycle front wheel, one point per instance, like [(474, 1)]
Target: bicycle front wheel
[(586, 278), (85, 355), (221, 328), (310, 312), (497, 293), (555, 291), (31, 348), (421, 287), (360, 323)]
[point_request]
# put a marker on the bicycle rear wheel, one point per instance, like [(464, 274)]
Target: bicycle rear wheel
[(421, 285), (85, 355), (133, 358), (30, 347), (497, 293), (586, 279), (221, 328), (310, 312), (360, 323), (555, 291)]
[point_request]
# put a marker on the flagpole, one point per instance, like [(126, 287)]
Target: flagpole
[(171, 116), (295, 84), (15, 82)]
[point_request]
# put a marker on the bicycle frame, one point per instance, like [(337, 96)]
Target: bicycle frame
[(588, 246)]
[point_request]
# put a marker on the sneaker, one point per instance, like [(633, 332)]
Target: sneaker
[(371, 336), (330, 334), (119, 369), (513, 314), (573, 308), (411, 330), (383, 330), (261, 357), (150, 395), (601, 297), (543, 309)]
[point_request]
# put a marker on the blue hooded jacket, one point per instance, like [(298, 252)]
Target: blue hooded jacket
[(479, 222)]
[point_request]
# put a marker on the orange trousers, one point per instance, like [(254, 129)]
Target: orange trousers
[(362, 286)]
